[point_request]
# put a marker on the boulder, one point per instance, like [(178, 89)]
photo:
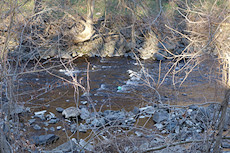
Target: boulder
[(71, 112)]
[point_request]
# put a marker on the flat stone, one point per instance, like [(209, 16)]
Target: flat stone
[(53, 121), (71, 112), (59, 109), (44, 139), (31, 121), (40, 112)]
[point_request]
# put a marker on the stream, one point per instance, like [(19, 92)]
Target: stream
[(114, 84)]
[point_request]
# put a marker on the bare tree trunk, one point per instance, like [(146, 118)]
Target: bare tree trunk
[(87, 33), (223, 110), (37, 6)]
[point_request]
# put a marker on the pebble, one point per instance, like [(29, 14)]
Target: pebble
[(58, 127), (84, 102)]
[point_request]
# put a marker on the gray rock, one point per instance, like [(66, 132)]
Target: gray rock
[(177, 129), (59, 109), (84, 102), (85, 114), (40, 112), (114, 115), (159, 126), (58, 127), (41, 116), (73, 127), (193, 107), (71, 112), (166, 45), (67, 147), (98, 122), (46, 123), (44, 139), (136, 110), (53, 121), (86, 145), (226, 145), (160, 116), (184, 94), (50, 116), (52, 129), (172, 126), (82, 128), (18, 109), (37, 127), (138, 133), (130, 121), (203, 115), (189, 123), (86, 94), (180, 51), (31, 121), (158, 57)]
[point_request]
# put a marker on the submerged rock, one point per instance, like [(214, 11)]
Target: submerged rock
[(71, 112)]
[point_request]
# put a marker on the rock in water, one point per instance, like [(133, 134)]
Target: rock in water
[(71, 112)]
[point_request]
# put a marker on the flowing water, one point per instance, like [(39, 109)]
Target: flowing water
[(114, 83)]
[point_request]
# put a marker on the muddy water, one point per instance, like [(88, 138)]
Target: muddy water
[(115, 83)]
